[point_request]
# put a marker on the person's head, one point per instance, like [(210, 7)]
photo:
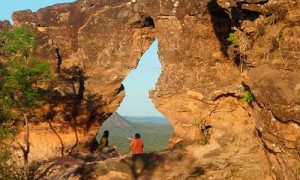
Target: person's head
[(137, 136), (106, 133)]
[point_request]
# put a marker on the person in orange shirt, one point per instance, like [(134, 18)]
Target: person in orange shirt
[(137, 145)]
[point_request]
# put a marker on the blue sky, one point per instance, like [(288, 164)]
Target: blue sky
[(137, 83), (7, 7)]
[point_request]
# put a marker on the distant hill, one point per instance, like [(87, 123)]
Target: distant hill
[(147, 119), (115, 121), (155, 131)]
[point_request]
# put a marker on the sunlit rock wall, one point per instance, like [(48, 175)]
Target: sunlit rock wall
[(93, 45)]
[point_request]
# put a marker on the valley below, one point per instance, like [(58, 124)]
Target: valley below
[(155, 134)]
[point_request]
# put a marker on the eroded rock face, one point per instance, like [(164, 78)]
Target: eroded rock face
[(271, 51), (93, 45)]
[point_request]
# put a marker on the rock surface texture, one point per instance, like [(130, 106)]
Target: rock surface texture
[(94, 44)]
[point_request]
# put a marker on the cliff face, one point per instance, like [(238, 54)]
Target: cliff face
[(93, 45)]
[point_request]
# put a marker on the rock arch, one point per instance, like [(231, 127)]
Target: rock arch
[(199, 85)]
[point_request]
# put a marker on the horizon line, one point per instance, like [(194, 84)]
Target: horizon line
[(141, 116)]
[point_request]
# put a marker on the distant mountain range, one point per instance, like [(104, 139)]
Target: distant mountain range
[(147, 119), (117, 121)]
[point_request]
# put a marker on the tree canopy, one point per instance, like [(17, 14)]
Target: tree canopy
[(21, 74), (22, 77)]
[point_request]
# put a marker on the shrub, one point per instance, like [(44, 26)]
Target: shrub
[(233, 39), (247, 97)]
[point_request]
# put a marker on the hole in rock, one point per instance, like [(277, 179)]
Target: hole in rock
[(137, 113), (149, 22), (145, 21), (250, 15)]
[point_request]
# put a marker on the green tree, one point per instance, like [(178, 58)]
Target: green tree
[(22, 77), (20, 87)]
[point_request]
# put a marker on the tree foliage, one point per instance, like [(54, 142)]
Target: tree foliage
[(22, 73), (22, 76), (18, 40)]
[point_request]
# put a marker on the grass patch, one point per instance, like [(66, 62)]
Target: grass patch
[(247, 97)]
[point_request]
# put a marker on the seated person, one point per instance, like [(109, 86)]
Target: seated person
[(137, 145), (104, 147)]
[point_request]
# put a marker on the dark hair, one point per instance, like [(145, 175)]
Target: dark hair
[(106, 134), (137, 135)]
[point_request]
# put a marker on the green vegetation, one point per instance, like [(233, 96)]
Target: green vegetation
[(233, 39), (18, 40), (21, 74), (20, 92), (155, 136), (247, 97)]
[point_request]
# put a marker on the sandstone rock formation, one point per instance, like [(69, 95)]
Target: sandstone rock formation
[(94, 44)]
